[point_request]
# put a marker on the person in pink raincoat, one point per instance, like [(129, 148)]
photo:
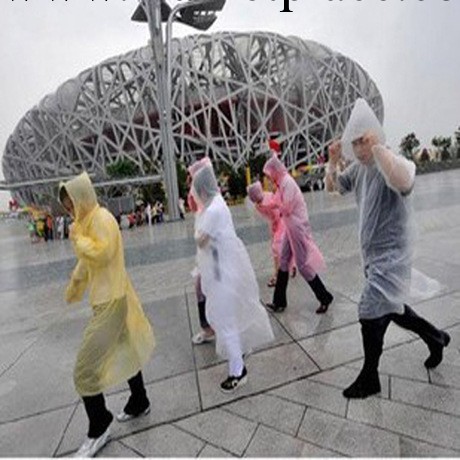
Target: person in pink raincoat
[(267, 207), (298, 241)]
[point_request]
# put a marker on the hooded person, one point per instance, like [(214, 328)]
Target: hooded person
[(118, 341), (298, 241), (228, 281), (382, 183), (206, 333), (267, 207)]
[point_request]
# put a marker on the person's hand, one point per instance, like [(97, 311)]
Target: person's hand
[(335, 152), (370, 140)]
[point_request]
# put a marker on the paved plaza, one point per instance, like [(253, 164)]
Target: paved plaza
[(292, 405)]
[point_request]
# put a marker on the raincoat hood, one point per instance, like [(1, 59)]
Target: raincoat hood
[(204, 186), (195, 167), (362, 119), (275, 169), (256, 192), (83, 196)]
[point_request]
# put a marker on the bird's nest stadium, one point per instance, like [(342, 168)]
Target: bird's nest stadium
[(230, 93)]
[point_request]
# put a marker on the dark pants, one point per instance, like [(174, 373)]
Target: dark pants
[(100, 417), (317, 286), (373, 332), (201, 300)]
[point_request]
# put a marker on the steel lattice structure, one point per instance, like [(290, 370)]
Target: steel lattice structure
[(230, 93)]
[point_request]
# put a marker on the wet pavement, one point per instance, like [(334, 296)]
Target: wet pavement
[(292, 404)]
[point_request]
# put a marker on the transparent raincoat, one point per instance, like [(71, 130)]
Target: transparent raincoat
[(382, 189), (118, 340), (228, 280), (294, 214)]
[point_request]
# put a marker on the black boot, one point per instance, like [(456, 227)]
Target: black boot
[(368, 382), (324, 297), (435, 339), (138, 403), (99, 417), (436, 351), (279, 296)]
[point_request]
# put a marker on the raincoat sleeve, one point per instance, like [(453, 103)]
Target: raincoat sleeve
[(398, 172), (346, 180), (209, 225), (78, 283), (290, 197), (100, 244)]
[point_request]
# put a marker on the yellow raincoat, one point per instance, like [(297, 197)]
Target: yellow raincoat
[(118, 340)]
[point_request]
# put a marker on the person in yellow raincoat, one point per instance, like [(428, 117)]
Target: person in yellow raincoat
[(119, 339)]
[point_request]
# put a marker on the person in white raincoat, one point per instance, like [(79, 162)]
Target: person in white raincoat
[(382, 183), (228, 281)]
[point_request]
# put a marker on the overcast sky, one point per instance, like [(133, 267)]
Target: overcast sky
[(410, 48)]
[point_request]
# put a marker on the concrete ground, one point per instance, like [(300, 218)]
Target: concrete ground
[(292, 405)]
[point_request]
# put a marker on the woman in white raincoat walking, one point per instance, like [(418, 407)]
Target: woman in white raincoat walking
[(228, 281), (118, 340), (382, 183)]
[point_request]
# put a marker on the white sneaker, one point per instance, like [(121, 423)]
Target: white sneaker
[(124, 417), (92, 446), (203, 337)]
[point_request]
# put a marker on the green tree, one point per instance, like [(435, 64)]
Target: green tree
[(121, 169), (443, 144), (182, 180), (408, 145), (457, 143)]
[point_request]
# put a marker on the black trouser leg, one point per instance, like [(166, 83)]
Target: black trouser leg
[(99, 417), (279, 295), (322, 294), (411, 321), (367, 382), (202, 314), (435, 339), (138, 401)]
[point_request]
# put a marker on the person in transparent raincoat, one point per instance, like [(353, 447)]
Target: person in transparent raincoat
[(206, 333), (298, 241), (382, 183), (228, 281), (118, 340), (267, 207)]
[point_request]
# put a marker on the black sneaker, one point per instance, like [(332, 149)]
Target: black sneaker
[(232, 383), (275, 308), (362, 388)]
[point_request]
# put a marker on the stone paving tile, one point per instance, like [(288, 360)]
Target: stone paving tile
[(266, 369), (347, 437), (344, 376), (170, 399), (212, 452), (426, 395), (411, 448), (220, 428), (270, 443), (34, 436), (165, 441), (277, 413), (115, 449), (425, 425), (441, 311), (313, 394), (345, 344), (301, 320), (49, 365), (448, 372), (173, 352), (441, 270)]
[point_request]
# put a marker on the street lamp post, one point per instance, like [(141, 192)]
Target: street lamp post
[(199, 14)]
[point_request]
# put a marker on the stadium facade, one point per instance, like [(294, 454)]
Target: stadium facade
[(230, 93)]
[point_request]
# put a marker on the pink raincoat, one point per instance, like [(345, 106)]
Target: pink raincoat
[(268, 207), (294, 214)]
